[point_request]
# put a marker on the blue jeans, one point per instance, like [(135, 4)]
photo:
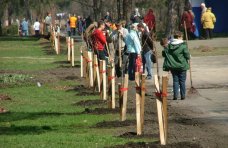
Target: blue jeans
[(147, 64), (179, 79), (132, 65)]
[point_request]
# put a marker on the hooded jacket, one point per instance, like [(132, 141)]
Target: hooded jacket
[(176, 56), (133, 43), (208, 20)]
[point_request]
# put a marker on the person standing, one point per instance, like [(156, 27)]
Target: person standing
[(147, 50), (48, 21), (108, 17), (176, 56), (36, 27), (134, 49), (99, 41), (135, 16), (24, 26), (73, 24), (118, 37), (188, 20), (149, 20), (208, 20)]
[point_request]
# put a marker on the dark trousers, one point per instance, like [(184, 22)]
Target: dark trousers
[(73, 31), (208, 33), (179, 79), (101, 56), (37, 33), (132, 65)]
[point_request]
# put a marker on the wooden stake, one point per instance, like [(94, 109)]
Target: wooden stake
[(125, 90), (72, 49), (59, 45), (90, 68), (103, 79), (120, 99), (138, 104), (143, 93), (85, 64), (68, 49), (164, 104), (56, 42), (160, 113), (96, 74), (111, 86), (81, 62)]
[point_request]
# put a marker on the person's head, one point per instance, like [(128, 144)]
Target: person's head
[(141, 27), (48, 14), (164, 42), (36, 19), (209, 9), (101, 25), (134, 26), (151, 10), (136, 10), (107, 13), (202, 5), (178, 35), (118, 25)]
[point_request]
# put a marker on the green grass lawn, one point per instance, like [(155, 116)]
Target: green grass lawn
[(45, 116)]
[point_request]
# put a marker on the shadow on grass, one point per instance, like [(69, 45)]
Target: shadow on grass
[(17, 38), (24, 130), (16, 116), (47, 50)]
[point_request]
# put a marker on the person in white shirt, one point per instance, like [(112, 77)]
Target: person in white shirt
[(36, 27)]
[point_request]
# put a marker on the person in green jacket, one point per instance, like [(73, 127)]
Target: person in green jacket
[(176, 56)]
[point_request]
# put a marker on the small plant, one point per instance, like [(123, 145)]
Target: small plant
[(13, 78)]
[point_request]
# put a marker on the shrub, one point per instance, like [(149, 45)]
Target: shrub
[(10, 30)]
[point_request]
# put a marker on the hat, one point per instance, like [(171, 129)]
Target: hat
[(203, 4)]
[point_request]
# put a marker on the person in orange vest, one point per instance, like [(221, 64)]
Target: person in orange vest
[(73, 22)]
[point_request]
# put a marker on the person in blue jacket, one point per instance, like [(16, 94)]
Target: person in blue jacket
[(134, 49)]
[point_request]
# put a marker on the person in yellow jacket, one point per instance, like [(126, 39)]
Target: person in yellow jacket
[(73, 24), (208, 20)]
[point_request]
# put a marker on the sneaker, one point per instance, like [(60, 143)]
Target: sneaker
[(148, 77), (182, 98)]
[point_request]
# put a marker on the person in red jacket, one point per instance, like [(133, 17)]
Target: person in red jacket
[(188, 18), (99, 40), (149, 20)]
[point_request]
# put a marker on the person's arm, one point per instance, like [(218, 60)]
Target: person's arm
[(149, 41), (137, 44), (213, 18), (186, 52)]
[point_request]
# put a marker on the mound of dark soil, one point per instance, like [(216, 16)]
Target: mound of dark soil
[(157, 145), (90, 102)]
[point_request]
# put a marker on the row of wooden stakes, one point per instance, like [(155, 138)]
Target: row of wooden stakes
[(97, 73)]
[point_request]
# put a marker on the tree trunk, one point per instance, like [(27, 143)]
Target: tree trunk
[(127, 9), (171, 18), (118, 10), (6, 16)]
